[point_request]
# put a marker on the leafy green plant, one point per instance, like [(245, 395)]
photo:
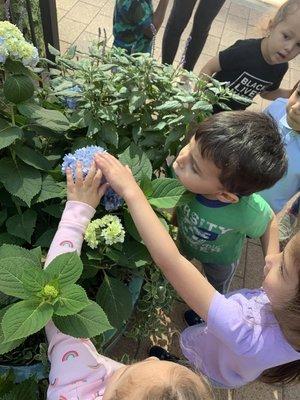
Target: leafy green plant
[(10, 390), (44, 294)]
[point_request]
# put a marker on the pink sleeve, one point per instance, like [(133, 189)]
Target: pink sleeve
[(69, 235)]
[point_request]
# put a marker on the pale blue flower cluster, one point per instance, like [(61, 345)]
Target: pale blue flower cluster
[(14, 45), (111, 200), (71, 102)]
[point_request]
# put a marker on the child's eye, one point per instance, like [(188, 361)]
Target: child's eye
[(285, 36), (193, 169), (281, 269)]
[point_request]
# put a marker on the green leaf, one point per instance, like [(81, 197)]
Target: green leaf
[(34, 280), (25, 318), (203, 106), (66, 267), (22, 225), (53, 50), (15, 67), (71, 300), (109, 134), (11, 272), (130, 226), (3, 216), (32, 157), (169, 105), (6, 238), (136, 101), (25, 390), (132, 255), (18, 88), (9, 251), (115, 299), (137, 161), (20, 179), (51, 119), (46, 238), (89, 322), (6, 347), (49, 190), (8, 133), (167, 193)]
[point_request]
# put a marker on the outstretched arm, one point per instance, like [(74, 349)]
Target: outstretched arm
[(186, 279)]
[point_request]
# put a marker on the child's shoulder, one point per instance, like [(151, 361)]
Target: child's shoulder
[(277, 108), (254, 209)]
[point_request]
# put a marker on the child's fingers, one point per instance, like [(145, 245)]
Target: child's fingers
[(97, 178), (92, 172), (79, 175), (70, 181), (102, 189)]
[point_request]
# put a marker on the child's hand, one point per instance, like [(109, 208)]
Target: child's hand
[(118, 176), (86, 190)]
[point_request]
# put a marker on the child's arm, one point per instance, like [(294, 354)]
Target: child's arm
[(275, 94), (270, 239), (211, 67), (185, 278)]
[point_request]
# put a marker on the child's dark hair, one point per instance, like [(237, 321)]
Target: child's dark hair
[(289, 7), (246, 146), (288, 317)]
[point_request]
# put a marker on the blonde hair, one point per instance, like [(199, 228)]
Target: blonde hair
[(289, 7), (183, 385)]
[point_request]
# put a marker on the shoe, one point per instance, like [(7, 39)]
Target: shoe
[(162, 354), (191, 318)]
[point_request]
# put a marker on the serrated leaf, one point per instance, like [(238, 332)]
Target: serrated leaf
[(53, 50), (49, 190), (51, 119), (6, 238), (203, 106), (34, 280), (22, 225), (8, 133), (10, 250), (66, 267), (115, 299), (20, 179), (18, 88), (167, 193), (89, 322), (32, 157), (72, 299), (25, 318), (137, 161), (136, 101), (6, 347), (169, 105), (11, 271), (46, 238), (132, 255), (109, 134)]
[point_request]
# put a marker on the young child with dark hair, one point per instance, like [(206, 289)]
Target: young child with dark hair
[(231, 156), (250, 333), (135, 24), (257, 66), (78, 371)]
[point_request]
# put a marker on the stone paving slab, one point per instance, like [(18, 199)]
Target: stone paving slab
[(79, 21)]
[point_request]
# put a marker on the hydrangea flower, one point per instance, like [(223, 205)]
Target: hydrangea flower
[(108, 230), (72, 102), (111, 200), (14, 45)]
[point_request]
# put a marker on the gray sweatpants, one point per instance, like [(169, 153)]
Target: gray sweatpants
[(220, 275)]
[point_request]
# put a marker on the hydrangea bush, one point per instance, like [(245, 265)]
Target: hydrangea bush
[(131, 106)]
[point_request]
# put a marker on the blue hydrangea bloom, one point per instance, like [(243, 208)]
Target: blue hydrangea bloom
[(111, 200), (71, 102), (1, 39)]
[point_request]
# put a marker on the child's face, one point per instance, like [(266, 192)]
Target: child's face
[(283, 44), (281, 277), (136, 378), (293, 110), (197, 174)]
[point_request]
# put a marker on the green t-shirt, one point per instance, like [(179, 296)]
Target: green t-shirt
[(214, 232)]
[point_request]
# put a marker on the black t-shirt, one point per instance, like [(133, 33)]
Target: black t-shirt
[(247, 71)]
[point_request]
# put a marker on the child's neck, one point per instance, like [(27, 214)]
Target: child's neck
[(264, 50)]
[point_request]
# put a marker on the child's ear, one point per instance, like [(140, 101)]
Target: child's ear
[(227, 197)]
